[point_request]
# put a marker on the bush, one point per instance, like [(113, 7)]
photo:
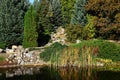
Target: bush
[(2, 45), (74, 32), (50, 52), (107, 50), (89, 29)]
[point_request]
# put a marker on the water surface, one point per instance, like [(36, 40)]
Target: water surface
[(47, 73)]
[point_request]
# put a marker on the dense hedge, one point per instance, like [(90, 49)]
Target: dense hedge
[(107, 50), (51, 51)]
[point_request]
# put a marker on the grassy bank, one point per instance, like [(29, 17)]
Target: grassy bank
[(85, 53)]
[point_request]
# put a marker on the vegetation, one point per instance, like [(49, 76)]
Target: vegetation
[(65, 56), (74, 32), (2, 58), (55, 13), (12, 21), (30, 29), (2, 45), (107, 50), (67, 10), (50, 52), (44, 26), (79, 14), (83, 20), (108, 16), (89, 29)]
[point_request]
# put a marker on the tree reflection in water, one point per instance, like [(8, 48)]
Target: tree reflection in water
[(85, 73), (59, 73)]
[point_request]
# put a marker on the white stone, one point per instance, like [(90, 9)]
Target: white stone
[(14, 47), (1, 50), (8, 51)]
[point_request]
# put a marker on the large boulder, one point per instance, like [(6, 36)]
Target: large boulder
[(59, 36)]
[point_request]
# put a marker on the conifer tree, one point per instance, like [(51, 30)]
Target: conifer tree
[(56, 17), (12, 21), (30, 29), (79, 14), (43, 23), (67, 10)]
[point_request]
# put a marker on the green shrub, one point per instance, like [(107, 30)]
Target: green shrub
[(74, 32), (107, 50), (50, 52), (89, 29), (2, 45)]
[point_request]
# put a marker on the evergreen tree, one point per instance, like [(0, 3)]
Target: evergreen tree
[(89, 29), (43, 23), (36, 4), (30, 29), (12, 21), (67, 10), (79, 14), (56, 15)]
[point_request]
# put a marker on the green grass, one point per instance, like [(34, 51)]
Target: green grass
[(52, 51), (2, 58), (107, 50)]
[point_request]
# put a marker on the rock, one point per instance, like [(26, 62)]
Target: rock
[(14, 47), (9, 51), (78, 41), (1, 50), (59, 36)]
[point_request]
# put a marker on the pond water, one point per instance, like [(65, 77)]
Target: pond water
[(47, 73)]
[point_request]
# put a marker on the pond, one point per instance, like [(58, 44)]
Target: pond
[(47, 73)]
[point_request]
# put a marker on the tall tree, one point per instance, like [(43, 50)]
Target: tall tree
[(108, 15), (12, 20), (43, 22), (67, 10), (30, 29), (55, 8), (36, 4), (79, 13)]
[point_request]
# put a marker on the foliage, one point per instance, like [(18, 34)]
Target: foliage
[(67, 10), (36, 4), (55, 13), (89, 29), (107, 50), (79, 13), (2, 45), (30, 29), (12, 21), (2, 58), (50, 52), (108, 15), (74, 32), (44, 25)]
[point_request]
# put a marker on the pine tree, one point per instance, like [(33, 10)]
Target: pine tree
[(67, 10), (30, 29), (12, 21), (43, 23), (36, 4), (56, 17), (79, 14)]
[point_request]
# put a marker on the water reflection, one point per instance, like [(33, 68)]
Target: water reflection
[(47, 73), (78, 74)]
